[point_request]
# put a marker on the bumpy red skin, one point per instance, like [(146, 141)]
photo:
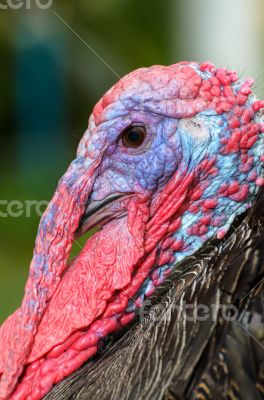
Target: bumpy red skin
[(66, 311)]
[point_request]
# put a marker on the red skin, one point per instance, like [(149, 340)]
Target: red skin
[(67, 309)]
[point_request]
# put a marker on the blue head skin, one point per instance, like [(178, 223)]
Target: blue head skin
[(196, 169), (202, 128)]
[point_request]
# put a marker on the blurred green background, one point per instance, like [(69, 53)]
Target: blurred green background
[(50, 81)]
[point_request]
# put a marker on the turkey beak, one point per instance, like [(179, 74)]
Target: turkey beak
[(98, 213)]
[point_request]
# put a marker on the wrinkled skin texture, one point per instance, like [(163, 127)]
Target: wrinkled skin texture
[(197, 169)]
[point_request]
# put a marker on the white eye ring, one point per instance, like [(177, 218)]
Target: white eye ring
[(195, 128)]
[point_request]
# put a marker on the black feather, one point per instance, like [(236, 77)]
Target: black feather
[(163, 356)]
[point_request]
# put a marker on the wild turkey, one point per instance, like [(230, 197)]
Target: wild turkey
[(170, 169)]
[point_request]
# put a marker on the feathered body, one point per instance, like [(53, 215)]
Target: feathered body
[(164, 356), (172, 156)]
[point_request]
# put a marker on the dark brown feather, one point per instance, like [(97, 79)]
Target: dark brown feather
[(163, 356)]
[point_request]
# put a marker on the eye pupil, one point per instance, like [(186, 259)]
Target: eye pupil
[(134, 136)]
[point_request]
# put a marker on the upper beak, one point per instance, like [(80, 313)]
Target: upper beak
[(98, 213)]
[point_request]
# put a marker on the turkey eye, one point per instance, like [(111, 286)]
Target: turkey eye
[(134, 136)]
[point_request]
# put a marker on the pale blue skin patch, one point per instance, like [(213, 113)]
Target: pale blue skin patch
[(172, 147)]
